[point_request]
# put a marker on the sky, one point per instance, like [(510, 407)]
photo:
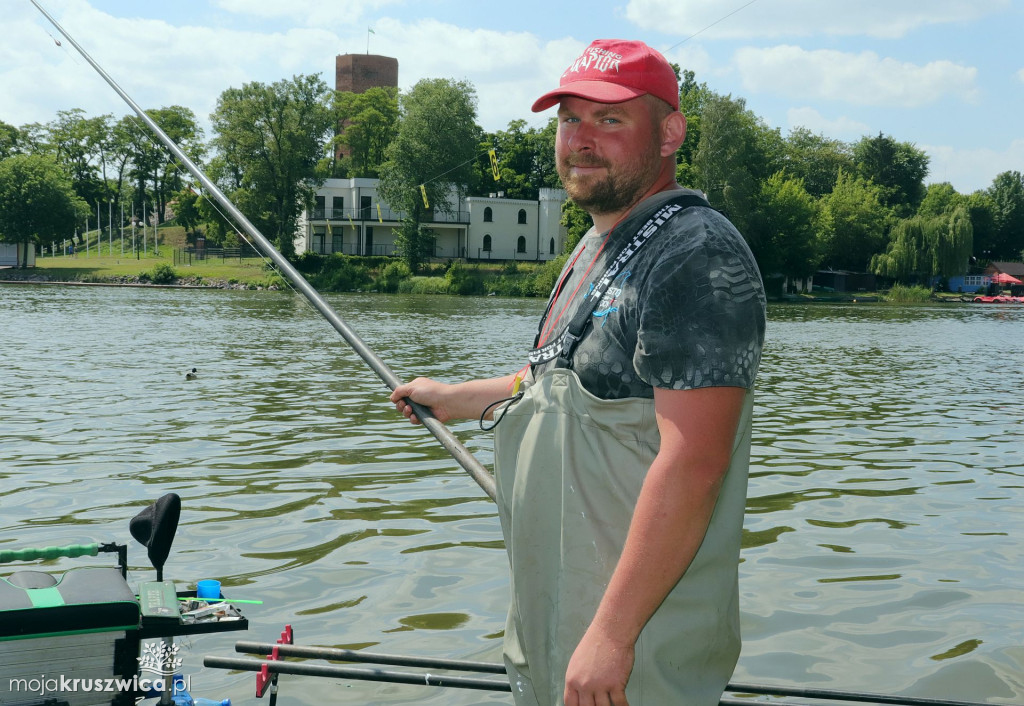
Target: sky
[(945, 75)]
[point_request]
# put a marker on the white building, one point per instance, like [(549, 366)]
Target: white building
[(15, 254), (349, 218)]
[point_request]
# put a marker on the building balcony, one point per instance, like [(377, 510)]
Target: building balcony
[(386, 214)]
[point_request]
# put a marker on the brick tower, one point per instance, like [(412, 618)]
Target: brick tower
[(359, 72)]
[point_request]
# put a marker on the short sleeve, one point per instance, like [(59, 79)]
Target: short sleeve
[(701, 309)]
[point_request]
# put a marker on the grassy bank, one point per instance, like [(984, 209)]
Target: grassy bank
[(341, 273)]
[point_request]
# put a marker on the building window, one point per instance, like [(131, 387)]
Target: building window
[(488, 217), (318, 210), (337, 242), (551, 247), (522, 216), (487, 241), (338, 207), (521, 244)]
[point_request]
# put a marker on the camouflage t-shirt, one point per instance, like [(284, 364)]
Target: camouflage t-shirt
[(687, 311)]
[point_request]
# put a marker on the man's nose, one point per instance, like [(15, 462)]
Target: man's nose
[(581, 138)]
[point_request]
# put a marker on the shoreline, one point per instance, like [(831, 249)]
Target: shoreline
[(181, 284)]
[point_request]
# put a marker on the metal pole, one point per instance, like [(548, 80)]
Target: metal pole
[(110, 226), (122, 228), (444, 435)]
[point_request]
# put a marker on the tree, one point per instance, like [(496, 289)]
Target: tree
[(434, 149), (939, 199), (77, 144), (981, 208), (853, 223), (898, 168), (908, 257), (271, 140), (926, 246), (1007, 192), (37, 200), (10, 140), (525, 157), (693, 97), (367, 123), (576, 221), (179, 124), (735, 153), (953, 244), (784, 236), (816, 160)]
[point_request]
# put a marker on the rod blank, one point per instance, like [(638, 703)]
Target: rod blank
[(341, 655)]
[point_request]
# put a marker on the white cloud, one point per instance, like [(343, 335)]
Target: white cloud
[(1020, 74), (795, 18), (969, 170), (862, 79), (310, 12), (842, 128), (508, 69)]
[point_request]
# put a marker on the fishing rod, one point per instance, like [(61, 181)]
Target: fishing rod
[(442, 433), (277, 652)]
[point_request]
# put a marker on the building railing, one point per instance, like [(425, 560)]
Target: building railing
[(386, 214)]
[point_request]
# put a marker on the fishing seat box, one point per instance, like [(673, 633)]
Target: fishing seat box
[(81, 625)]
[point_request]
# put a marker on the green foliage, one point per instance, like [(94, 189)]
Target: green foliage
[(424, 285), (736, 151), (816, 159), (576, 221), (308, 263), (10, 140), (186, 209), (37, 200), (434, 148), (369, 123), (1007, 193), (908, 295), (783, 237), (392, 276), (463, 279), (526, 161), (547, 276), (939, 199), (897, 168), (925, 246), (271, 139), (341, 273), (853, 224), (162, 273)]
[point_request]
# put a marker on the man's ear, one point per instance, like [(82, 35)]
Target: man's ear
[(673, 132)]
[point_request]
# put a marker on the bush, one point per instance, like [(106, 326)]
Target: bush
[(908, 295), (341, 273), (309, 263), (424, 285), (162, 274), (547, 276), (392, 276), (463, 279)]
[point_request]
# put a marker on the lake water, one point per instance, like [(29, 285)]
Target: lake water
[(883, 548)]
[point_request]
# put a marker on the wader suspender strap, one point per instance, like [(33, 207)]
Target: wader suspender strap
[(563, 347)]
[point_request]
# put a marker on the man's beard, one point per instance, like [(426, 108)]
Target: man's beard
[(618, 190)]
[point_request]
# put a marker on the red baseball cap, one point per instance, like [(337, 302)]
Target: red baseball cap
[(614, 71)]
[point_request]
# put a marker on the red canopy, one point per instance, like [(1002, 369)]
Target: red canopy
[(1003, 278)]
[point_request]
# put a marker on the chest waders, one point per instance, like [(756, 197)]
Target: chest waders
[(569, 469)]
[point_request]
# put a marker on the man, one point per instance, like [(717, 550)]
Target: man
[(622, 468)]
